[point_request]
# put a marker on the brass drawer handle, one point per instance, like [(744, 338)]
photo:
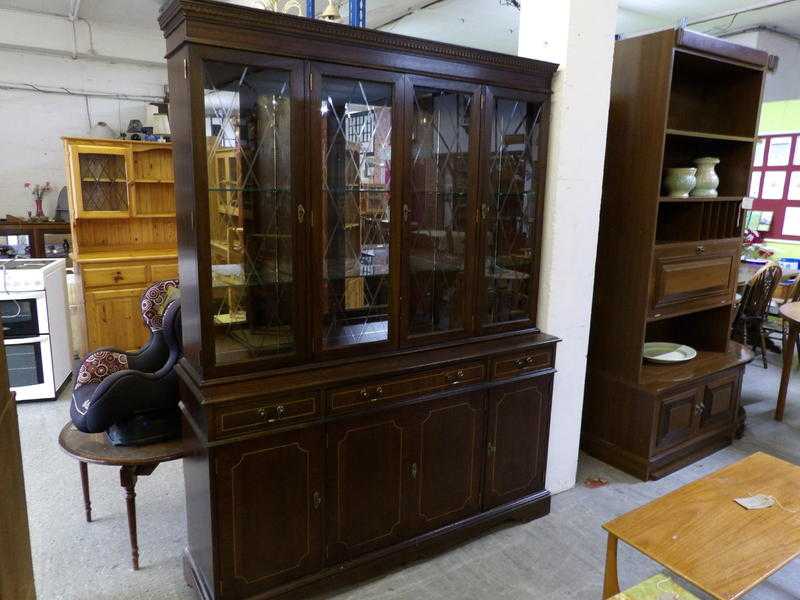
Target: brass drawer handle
[(279, 410), (262, 412), (117, 277), (375, 397), (455, 378), (698, 409), (701, 249), (527, 361)]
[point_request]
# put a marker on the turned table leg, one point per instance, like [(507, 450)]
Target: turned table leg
[(128, 477), (789, 337), (87, 503), (611, 581)]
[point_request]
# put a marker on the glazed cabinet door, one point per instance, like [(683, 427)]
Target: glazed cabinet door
[(256, 209), (512, 185), (370, 469), (355, 118), (516, 440), (101, 181), (441, 163), (450, 454), (269, 507)]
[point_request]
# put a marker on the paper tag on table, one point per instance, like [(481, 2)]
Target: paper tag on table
[(756, 502)]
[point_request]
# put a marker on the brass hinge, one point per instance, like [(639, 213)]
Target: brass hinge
[(490, 449), (413, 470), (301, 213), (311, 218), (483, 99), (317, 499), (310, 82), (186, 68)]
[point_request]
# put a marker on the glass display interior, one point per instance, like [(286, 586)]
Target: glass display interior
[(356, 131), (15, 246), (509, 211), (436, 218), (251, 210)]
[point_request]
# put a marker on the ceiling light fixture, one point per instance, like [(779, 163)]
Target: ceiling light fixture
[(331, 12)]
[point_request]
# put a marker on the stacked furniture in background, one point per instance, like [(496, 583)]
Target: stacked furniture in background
[(122, 206), (667, 267), (360, 221)]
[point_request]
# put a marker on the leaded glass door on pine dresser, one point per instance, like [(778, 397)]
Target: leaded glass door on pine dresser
[(442, 123), (355, 123), (256, 207), (512, 182)]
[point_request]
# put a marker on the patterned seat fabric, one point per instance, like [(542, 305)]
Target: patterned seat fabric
[(155, 300), (99, 365)]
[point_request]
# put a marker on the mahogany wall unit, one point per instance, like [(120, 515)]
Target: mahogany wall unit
[(667, 267), (359, 224)]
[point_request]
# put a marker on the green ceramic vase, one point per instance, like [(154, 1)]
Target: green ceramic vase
[(680, 181), (707, 178)]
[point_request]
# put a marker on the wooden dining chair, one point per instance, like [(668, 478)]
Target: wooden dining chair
[(752, 310)]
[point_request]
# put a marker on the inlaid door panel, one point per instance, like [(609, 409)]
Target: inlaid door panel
[(269, 497), (719, 401), (369, 470), (516, 440), (450, 434), (677, 418)]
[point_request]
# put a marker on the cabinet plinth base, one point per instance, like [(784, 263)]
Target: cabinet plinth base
[(425, 545)]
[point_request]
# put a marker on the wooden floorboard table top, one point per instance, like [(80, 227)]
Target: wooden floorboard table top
[(699, 533)]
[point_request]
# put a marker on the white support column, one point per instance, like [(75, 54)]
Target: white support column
[(579, 35)]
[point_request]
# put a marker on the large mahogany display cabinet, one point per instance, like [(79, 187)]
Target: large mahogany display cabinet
[(667, 267), (359, 221)]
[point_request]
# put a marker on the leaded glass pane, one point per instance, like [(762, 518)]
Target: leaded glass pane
[(356, 119), (509, 211), (104, 184), (436, 218), (251, 210)]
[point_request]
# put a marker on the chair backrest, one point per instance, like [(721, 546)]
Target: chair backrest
[(155, 300), (758, 292)]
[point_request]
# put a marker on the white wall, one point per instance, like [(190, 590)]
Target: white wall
[(37, 50), (579, 34)]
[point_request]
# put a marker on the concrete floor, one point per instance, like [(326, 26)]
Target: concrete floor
[(558, 557)]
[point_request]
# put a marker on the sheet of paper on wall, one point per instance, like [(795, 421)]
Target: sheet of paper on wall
[(791, 221), (753, 219), (764, 220)]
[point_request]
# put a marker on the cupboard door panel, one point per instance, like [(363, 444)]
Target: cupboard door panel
[(269, 496), (450, 460), (439, 205), (101, 181), (368, 474), (517, 437), (677, 419), (511, 208), (719, 401), (114, 319)]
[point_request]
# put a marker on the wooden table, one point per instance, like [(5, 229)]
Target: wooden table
[(699, 533), (133, 461), (791, 316)]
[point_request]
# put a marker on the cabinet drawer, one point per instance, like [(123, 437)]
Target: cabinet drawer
[(518, 363), (162, 272), (692, 276), (400, 388), (125, 275), (268, 413)]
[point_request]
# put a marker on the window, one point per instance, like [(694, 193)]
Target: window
[(775, 183)]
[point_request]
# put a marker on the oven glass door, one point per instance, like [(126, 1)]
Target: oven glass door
[(20, 317), (25, 364), (30, 368)]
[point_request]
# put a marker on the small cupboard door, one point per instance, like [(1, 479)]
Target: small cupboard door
[(512, 186), (677, 419), (516, 440), (450, 460), (370, 468), (440, 196), (269, 507), (101, 181)]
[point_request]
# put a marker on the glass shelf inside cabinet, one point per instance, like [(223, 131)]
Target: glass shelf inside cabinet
[(251, 210), (437, 216), (510, 211), (356, 132)]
